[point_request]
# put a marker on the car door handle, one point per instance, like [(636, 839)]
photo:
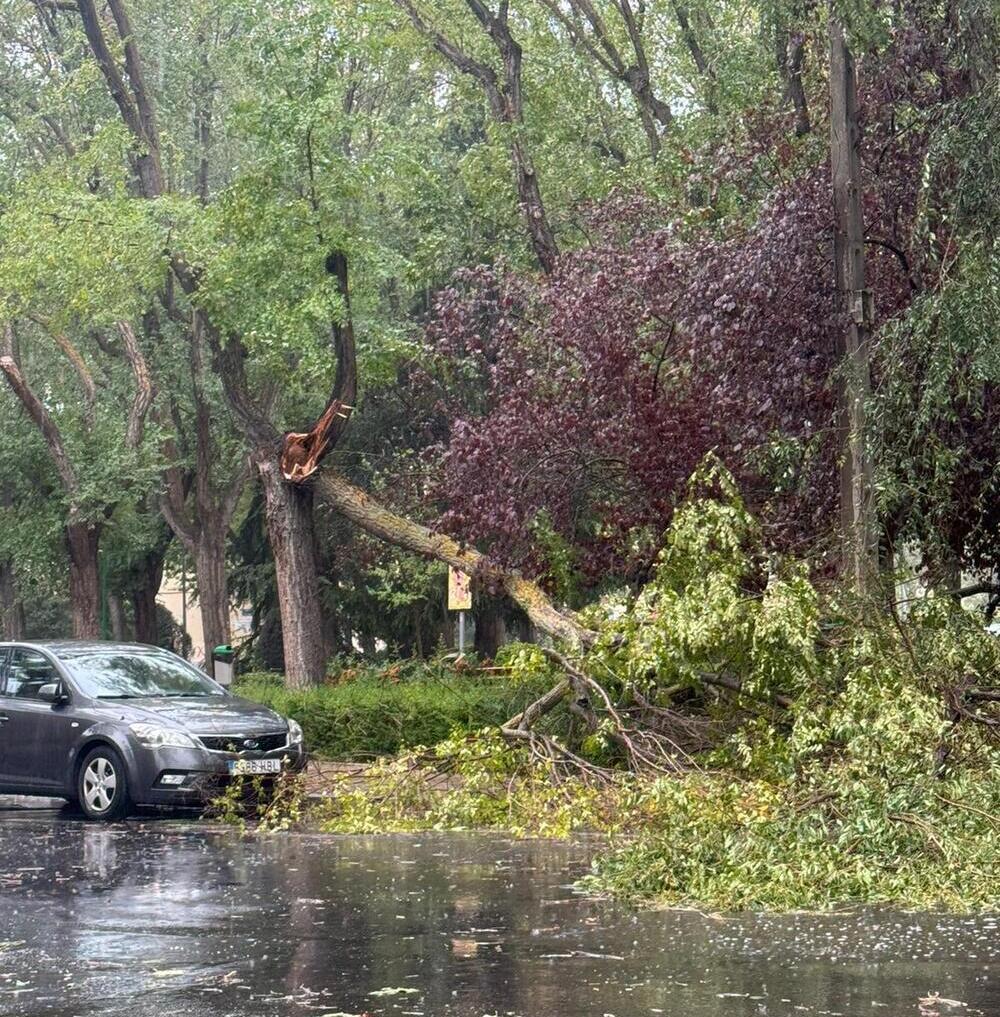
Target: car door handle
[(4, 718)]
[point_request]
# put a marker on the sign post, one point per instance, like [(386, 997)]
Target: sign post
[(460, 600)]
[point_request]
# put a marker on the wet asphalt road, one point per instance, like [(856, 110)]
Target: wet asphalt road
[(154, 918)]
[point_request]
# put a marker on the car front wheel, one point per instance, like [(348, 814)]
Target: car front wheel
[(102, 786)]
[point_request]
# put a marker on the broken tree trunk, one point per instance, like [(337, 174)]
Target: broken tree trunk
[(288, 508), (288, 511), (376, 519)]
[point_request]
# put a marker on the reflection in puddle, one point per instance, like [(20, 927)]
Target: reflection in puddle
[(164, 918)]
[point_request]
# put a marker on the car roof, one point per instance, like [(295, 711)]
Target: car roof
[(63, 648)]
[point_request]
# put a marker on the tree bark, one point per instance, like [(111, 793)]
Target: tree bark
[(117, 619), (129, 91), (213, 585), (790, 49), (81, 538), (199, 505), (290, 531), (796, 90), (147, 629), (376, 519), (12, 623), (858, 531), (84, 579), (489, 627), (693, 43)]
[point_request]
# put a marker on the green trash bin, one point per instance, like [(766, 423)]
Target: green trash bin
[(222, 665)]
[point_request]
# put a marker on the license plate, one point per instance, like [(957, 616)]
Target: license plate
[(253, 767)]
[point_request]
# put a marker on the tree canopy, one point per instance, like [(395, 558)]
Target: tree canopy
[(513, 269)]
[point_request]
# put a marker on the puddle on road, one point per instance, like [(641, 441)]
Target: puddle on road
[(172, 918)]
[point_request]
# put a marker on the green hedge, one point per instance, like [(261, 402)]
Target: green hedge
[(380, 712)]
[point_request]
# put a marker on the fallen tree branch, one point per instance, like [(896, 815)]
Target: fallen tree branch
[(374, 518), (644, 749), (974, 590), (734, 684), (983, 695), (541, 706), (548, 750)]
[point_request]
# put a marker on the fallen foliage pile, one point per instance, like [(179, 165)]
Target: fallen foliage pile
[(745, 737)]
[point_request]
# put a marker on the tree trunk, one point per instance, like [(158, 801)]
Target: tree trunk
[(638, 82), (82, 541), (533, 209), (796, 90), (334, 640), (419, 650), (858, 531), (213, 585), (116, 616), (373, 518), (147, 629), (523, 628), (12, 624), (269, 641), (789, 52), (489, 627), (293, 544)]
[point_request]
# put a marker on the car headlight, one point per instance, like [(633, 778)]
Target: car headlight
[(153, 736), (294, 732)]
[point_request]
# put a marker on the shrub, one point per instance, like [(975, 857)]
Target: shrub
[(368, 711)]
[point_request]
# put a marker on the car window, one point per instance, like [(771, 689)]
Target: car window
[(27, 671), (114, 673)]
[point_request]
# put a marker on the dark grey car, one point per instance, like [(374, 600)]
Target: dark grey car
[(115, 725)]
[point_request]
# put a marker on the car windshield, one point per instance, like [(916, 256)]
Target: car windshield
[(121, 674)]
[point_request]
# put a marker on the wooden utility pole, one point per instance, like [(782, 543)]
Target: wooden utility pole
[(858, 531)]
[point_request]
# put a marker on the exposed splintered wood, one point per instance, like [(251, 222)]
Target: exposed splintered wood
[(381, 522), (302, 452)]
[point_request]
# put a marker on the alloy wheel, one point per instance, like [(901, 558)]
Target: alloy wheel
[(100, 782)]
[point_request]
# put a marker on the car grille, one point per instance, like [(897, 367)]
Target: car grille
[(239, 743)]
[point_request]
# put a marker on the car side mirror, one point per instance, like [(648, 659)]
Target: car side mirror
[(53, 693)]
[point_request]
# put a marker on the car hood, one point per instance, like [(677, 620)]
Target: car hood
[(215, 716)]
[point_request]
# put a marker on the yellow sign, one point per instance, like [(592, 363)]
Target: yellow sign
[(459, 590)]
